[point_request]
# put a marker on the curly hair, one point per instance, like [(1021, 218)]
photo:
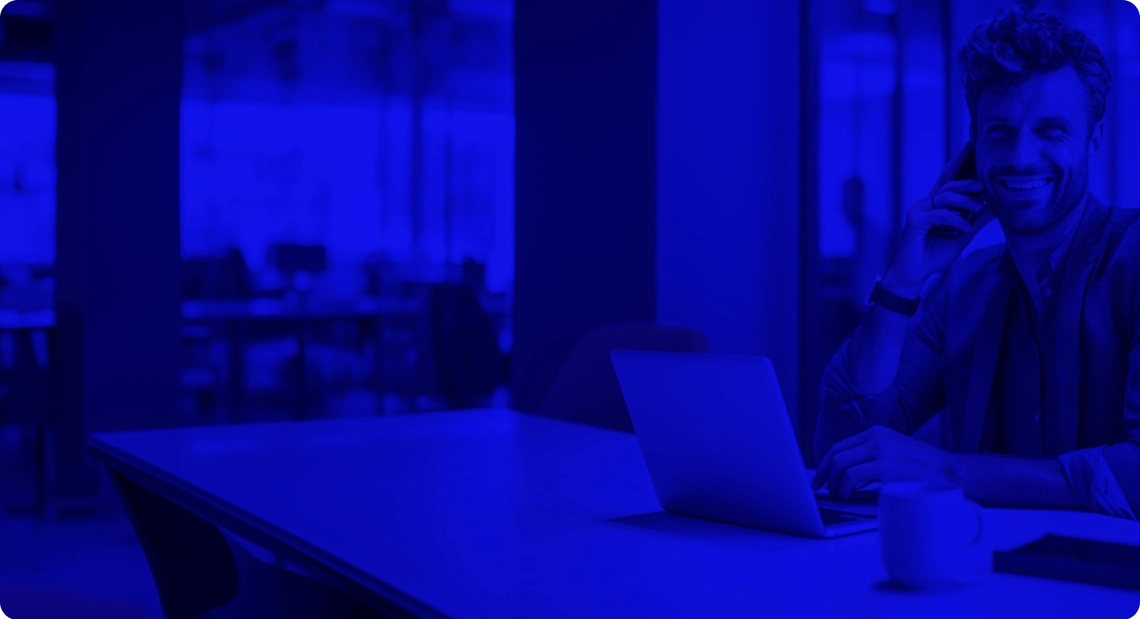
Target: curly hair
[(1018, 42)]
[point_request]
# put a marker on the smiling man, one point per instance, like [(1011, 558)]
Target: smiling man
[(1031, 349)]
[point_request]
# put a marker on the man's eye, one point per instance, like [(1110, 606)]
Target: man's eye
[(998, 131), (1053, 129)]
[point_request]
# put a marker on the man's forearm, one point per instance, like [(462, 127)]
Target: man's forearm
[(1006, 481), (875, 350)]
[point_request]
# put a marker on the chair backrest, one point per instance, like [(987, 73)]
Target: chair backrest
[(586, 389), (462, 357), (25, 384), (289, 258), (224, 276)]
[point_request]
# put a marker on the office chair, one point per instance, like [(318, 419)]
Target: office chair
[(25, 401), (586, 389), (292, 259), (459, 360)]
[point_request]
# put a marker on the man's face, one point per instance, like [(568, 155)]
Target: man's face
[(1033, 149)]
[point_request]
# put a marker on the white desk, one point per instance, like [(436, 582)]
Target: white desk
[(500, 514)]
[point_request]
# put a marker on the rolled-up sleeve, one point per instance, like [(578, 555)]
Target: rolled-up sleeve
[(916, 394), (1107, 478), (1091, 476)]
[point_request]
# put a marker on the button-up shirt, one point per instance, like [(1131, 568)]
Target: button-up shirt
[(1021, 380), (971, 356), (1021, 400)]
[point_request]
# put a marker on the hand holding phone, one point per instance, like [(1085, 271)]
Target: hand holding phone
[(967, 171), (939, 226)]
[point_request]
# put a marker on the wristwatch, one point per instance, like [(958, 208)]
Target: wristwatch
[(890, 301)]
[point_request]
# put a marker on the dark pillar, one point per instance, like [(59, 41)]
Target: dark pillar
[(729, 177), (585, 203), (118, 91)]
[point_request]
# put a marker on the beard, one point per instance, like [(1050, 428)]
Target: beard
[(1068, 191)]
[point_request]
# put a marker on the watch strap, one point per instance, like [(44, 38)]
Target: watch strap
[(890, 301)]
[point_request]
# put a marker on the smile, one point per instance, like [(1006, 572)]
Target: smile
[(1026, 185)]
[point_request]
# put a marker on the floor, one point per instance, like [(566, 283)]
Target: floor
[(52, 569), (72, 566)]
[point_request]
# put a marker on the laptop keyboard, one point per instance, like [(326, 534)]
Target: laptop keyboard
[(836, 516)]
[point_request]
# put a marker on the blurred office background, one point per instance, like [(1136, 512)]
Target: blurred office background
[(254, 210), (345, 178), (313, 218)]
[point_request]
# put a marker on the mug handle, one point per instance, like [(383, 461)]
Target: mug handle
[(981, 517)]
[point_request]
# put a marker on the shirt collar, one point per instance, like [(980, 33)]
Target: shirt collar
[(1047, 271)]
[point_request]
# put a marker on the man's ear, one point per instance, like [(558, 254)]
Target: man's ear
[(1096, 138)]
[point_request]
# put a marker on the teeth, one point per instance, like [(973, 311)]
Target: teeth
[(1026, 185)]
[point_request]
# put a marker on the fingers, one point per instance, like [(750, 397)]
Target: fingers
[(858, 476), (940, 217), (951, 169), (821, 473), (843, 462), (964, 187), (952, 194), (957, 200)]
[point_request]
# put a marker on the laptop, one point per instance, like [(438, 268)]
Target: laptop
[(719, 444)]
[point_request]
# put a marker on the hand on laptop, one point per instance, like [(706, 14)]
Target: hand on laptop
[(879, 454)]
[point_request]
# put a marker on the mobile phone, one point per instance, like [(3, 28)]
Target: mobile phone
[(1073, 559), (968, 171)]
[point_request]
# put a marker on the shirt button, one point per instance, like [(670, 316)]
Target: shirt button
[(1048, 292), (1037, 418)]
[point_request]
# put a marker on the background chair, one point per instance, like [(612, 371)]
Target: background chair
[(224, 276), (298, 264), (25, 402), (201, 374), (460, 360), (586, 389)]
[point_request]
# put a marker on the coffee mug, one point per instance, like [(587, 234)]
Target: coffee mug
[(925, 530)]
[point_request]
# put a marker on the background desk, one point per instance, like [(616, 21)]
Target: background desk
[(501, 514), (235, 319)]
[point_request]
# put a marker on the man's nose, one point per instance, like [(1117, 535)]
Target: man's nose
[(1024, 154)]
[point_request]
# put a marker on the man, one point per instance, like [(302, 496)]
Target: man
[(1032, 348)]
